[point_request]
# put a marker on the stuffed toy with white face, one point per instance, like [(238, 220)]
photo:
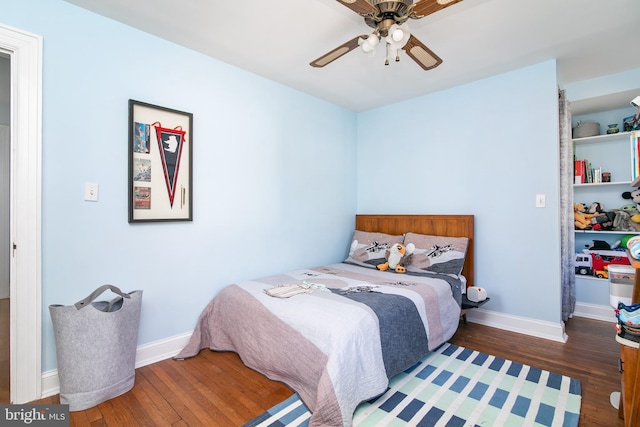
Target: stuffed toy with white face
[(398, 257)]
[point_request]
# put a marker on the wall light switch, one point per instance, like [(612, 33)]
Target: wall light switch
[(540, 200), (90, 192)]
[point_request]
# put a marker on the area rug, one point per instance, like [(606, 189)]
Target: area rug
[(454, 386)]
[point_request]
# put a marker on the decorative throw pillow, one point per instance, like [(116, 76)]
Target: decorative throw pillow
[(436, 254), (369, 249)]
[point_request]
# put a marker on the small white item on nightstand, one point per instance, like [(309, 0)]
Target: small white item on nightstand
[(476, 294)]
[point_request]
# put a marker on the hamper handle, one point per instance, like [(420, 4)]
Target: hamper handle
[(97, 292)]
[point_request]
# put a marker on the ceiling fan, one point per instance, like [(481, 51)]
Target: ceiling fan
[(389, 20)]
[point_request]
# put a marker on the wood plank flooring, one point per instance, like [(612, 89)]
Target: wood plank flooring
[(4, 351), (216, 389)]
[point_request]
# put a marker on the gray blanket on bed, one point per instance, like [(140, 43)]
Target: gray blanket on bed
[(402, 336)]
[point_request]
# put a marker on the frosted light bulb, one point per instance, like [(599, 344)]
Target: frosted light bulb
[(370, 43), (397, 35)]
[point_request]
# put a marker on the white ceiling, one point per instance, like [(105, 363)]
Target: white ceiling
[(475, 39)]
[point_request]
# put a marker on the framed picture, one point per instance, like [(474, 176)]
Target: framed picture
[(160, 163)]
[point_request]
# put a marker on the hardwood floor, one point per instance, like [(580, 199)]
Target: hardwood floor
[(4, 351), (591, 355), (216, 389)]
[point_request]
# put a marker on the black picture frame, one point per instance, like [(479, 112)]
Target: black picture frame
[(160, 163)]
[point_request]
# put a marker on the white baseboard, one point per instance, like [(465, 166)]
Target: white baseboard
[(160, 350), (593, 311), (146, 354), (164, 349), (522, 325)]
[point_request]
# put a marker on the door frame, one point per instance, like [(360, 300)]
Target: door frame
[(25, 287)]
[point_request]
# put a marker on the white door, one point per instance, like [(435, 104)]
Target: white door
[(5, 252), (25, 52)]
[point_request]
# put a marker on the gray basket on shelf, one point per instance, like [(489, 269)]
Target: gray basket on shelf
[(585, 129), (96, 347)]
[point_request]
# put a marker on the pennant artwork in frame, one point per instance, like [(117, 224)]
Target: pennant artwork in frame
[(160, 163)]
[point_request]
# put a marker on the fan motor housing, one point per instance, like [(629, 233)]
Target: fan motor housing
[(388, 10)]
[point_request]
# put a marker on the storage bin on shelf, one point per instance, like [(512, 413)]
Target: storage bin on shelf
[(621, 279), (585, 129)]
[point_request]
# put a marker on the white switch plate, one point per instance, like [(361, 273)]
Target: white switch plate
[(540, 200), (90, 192)]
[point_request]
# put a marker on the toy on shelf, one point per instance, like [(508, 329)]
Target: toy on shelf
[(630, 214), (629, 124), (595, 260), (596, 218), (634, 196), (633, 246), (581, 217), (627, 219), (603, 221), (633, 122)]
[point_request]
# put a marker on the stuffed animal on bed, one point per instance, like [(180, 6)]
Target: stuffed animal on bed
[(398, 257)]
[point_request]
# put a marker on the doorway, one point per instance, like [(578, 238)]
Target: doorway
[(5, 154), (24, 51)]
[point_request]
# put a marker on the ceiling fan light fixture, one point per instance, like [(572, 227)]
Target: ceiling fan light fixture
[(389, 19), (397, 34), (370, 43)]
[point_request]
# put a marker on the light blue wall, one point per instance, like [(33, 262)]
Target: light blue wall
[(274, 171), (485, 148), (605, 85), (278, 175)]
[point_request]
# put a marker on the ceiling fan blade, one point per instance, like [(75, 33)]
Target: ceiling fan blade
[(424, 56), (362, 7), (337, 52), (426, 7)]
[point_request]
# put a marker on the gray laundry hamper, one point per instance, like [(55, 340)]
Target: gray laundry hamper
[(96, 347)]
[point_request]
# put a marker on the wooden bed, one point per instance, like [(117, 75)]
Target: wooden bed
[(437, 225), (339, 343)]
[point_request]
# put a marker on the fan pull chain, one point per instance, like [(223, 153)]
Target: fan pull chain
[(386, 60)]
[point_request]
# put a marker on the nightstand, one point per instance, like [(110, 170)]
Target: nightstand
[(468, 305)]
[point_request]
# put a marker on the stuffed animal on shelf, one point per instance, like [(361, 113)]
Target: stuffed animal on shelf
[(627, 219), (622, 221), (398, 257), (595, 208), (581, 217), (603, 221), (634, 196)]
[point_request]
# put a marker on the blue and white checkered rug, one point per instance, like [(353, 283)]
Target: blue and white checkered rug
[(453, 386)]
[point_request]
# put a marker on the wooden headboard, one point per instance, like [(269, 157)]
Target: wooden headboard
[(435, 225)]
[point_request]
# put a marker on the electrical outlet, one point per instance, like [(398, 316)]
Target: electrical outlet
[(540, 200), (90, 192)]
